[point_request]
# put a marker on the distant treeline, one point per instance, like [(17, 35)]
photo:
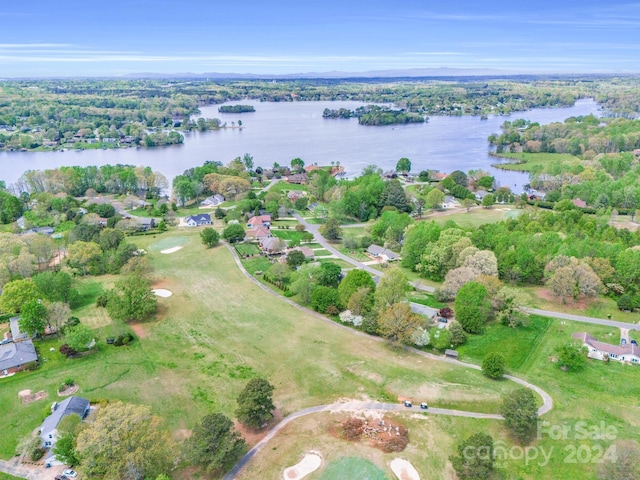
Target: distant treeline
[(236, 109)]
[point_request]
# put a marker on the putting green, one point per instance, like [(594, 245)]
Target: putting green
[(353, 468), (169, 242)]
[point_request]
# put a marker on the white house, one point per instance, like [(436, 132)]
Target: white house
[(197, 220), (629, 353), (212, 201), (450, 202), (72, 405), (382, 253)]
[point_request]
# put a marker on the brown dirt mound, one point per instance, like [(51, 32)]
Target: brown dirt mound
[(32, 397)]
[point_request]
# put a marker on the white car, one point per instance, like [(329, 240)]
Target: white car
[(70, 473)]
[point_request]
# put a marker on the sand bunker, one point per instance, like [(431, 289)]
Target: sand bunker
[(403, 470), (309, 464), (161, 292), (170, 250)]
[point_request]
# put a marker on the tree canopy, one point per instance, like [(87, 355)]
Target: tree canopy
[(255, 403)]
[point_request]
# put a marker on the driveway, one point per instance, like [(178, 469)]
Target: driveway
[(32, 472)]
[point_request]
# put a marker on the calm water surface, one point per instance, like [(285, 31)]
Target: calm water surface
[(278, 132)]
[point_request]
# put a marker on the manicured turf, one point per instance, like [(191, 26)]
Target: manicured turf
[(247, 249), (554, 163), (353, 468), (478, 216)]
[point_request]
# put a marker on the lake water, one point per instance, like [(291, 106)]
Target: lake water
[(278, 132)]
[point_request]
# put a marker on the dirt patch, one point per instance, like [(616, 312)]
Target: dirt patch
[(545, 294), (251, 436), (69, 391), (181, 434), (403, 469), (27, 397), (309, 464), (140, 329)]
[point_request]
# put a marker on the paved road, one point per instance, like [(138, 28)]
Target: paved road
[(547, 401), (583, 319), (31, 472), (314, 229)]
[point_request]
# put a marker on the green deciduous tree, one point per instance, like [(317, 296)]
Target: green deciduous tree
[(233, 233), (324, 299), (520, 414), (132, 299), (572, 356), (209, 237), (472, 307), (392, 289), (255, 403), (331, 229), (16, 293), (435, 199), (125, 442), (458, 336), (403, 165), (474, 459), (353, 281), (488, 200), (55, 286), (81, 254), (33, 318), (295, 258), (78, 337), (493, 365), (214, 444)]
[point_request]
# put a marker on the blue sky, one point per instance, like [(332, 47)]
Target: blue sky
[(67, 38)]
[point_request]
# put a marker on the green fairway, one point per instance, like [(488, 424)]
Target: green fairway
[(215, 332), (352, 468), (478, 216)]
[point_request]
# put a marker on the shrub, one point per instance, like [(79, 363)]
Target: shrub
[(493, 365), (445, 312), (67, 351)]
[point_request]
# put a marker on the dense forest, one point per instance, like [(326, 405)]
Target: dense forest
[(236, 109)]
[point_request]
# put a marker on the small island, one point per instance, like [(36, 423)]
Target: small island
[(376, 115), (236, 109)]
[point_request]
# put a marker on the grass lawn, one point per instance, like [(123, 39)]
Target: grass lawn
[(355, 231), (322, 253), (426, 299), (284, 223), (247, 249), (338, 261), (478, 216), (554, 163), (284, 187), (6, 476), (287, 234), (254, 265), (355, 254), (169, 242)]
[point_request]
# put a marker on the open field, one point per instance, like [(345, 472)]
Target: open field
[(478, 216), (247, 249), (215, 332), (553, 163)]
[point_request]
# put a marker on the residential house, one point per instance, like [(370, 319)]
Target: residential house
[(437, 176), (298, 178), (273, 245), (41, 230), (382, 253), (628, 353), (450, 202), (259, 220), (69, 406), (308, 253), (198, 220), (257, 233), (16, 356), (480, 194), (17, 335), (146, 224), (294, 195), (579, 203), (212, 201)]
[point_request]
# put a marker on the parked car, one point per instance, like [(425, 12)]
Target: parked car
[(70, 473), (633, 342), (61, 477), (424, 405), (443, 320), (407, 403), (623, 341)]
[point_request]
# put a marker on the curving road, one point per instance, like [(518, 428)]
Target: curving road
[(547, 401)]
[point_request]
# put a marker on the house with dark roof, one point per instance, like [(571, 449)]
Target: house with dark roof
[(69, 406), (198, 220), (298, 178), (16, 356), (145, 224), (628, 353), (381, 253)]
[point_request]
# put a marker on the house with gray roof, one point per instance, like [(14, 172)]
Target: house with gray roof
[(16, 356), (382, 253), (69, 406), (17, 335), (197, 220)]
